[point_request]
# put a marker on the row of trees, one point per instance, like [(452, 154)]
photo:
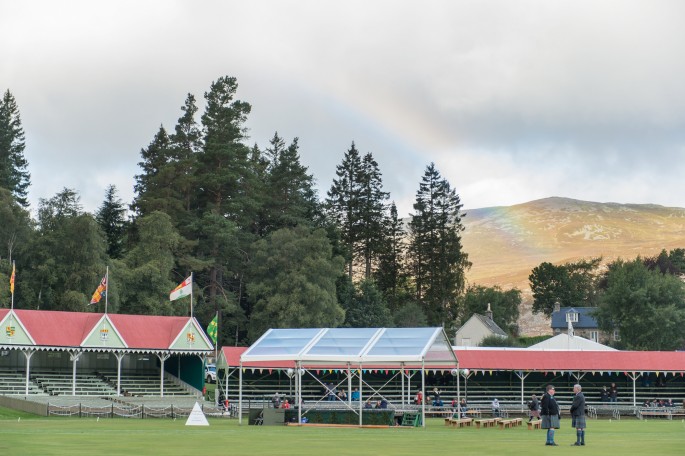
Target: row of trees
[(644, 299), (265, 250)]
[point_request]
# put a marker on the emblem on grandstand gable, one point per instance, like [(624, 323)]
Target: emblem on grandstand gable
[(190, 337), (10, 330), (104, 334)]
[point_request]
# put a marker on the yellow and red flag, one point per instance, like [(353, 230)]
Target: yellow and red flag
[(100, 291), (14, 271)]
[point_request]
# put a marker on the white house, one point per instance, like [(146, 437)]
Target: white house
[(477, 328)]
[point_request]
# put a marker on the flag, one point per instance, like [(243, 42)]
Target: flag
[(182, 290), (12, 278), (212, 329), (100, 291)]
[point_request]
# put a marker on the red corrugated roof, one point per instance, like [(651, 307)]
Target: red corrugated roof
[(57, 329), (615, 361), (147, 331), (530, 360), (69, 329)]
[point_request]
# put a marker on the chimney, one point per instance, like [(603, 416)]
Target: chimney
[(557, 306), (488, 313)]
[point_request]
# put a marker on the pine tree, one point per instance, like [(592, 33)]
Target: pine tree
[(225, 181), (111, 218), (186, 142), (152, 186), (372, 207), (342, 204), (14, 174), (437, 259), (391, 276), (290, 196)]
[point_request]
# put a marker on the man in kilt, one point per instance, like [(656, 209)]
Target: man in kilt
[(549, 409), (578, 414)]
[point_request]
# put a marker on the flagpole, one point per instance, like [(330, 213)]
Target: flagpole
[(191, 295)]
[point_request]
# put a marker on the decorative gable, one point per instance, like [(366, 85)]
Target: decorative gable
[(104, 334), (192, 337), (14, 332)]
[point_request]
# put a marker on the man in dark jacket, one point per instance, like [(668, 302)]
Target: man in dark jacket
[(549, 410), (578, 414)]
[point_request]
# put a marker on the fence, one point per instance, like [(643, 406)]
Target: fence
[(130, 411)]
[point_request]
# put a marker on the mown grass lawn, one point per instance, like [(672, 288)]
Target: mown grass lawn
[(21, 434)]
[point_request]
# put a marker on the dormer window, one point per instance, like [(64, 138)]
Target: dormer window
[(572, 317)]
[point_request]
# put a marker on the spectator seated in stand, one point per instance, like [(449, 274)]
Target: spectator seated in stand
[(463, 408), (355, 394), (495, 408)]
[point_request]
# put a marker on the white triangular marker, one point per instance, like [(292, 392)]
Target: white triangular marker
[(197, 417)]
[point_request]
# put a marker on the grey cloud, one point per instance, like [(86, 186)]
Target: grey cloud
[(499, 94)]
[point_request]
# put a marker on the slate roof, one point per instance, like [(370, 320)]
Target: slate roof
[(491, 325), (585, 318)]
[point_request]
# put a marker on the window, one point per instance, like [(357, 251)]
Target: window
[(572, 317), (557, 331), (617, 336), (594, 336)]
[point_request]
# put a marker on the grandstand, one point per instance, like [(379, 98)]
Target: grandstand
[(511, 376), (94, 357)]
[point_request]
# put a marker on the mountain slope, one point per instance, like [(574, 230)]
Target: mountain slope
[(506, 243)]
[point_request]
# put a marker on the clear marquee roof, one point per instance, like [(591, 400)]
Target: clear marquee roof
[(353, 345)]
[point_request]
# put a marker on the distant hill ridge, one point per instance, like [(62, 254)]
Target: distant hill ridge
[(506, 243)]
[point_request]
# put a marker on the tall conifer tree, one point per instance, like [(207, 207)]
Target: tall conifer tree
[(437, 258), (225, 183), (372, 208), (291, 199), (111, 216), (14, 175)]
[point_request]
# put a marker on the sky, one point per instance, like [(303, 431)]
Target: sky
[(513, 100)]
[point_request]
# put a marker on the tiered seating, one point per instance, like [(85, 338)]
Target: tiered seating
[(14, 382), (481, 389), (57, 383), (145, 383)]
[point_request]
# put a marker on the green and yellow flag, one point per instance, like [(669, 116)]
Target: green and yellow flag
[(212, 329)]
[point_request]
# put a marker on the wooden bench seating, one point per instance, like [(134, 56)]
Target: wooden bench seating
[(460, 422), (487, 422), (503, 424), (537, 424)]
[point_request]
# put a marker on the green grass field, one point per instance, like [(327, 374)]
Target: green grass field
[(21, 434)]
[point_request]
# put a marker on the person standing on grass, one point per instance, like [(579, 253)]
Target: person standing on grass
[(550, 414), (534, 406), (578, 414)]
